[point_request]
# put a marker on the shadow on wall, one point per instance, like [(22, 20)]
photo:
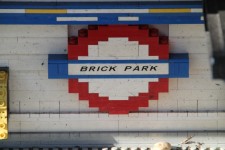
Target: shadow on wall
[(58, 140)]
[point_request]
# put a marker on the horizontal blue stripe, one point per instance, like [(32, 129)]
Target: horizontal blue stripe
[(180, 18), (99, 5)]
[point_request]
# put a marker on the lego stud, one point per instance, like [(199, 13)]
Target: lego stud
[(83, 33), (2, 125), (2, 75), (72, 40), (2, 93), (2, 104), (2, 136), (163, 40), (143, 27), (153, 32), (92, 27)]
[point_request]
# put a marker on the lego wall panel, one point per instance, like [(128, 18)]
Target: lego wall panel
[(33, 93), (29, 81)]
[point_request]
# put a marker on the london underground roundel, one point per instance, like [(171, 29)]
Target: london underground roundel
[(118, 68)]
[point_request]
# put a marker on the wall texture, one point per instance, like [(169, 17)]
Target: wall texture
[(37, 104)]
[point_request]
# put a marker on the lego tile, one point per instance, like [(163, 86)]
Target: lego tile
[(118, 40), (173, 84), (187, 105), (33, 31), (109, 48), (19, 85), (199, 83), (29, 106), (35, 61), (176, 30), (188, 45), (14, 106), (128, 18), (29, 75), (166, 104), (34, 45), (48, 107), (207, 105), (221, 105)]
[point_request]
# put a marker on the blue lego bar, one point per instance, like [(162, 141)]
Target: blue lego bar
[(178, 67)]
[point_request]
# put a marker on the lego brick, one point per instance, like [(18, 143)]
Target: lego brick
[(184, 69), (93, 50), (57, 58), (34, 45), (27, 106), (187, 105), (31, 31), (53, 71), (4, 75), (48, 107), (63, 70), (176, 30), (188, 44), (143, 50), (108, 49)]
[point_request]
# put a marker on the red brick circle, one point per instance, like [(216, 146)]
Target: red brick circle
[(78, 46)]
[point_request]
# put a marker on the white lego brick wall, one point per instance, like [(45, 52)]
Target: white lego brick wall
[(25, 48)]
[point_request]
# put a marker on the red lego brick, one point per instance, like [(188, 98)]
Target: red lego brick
[(77, 50), (164, 85), (73, 86), (153, 32), (144, 27), (83, 33), (72, 40), (92, 27)]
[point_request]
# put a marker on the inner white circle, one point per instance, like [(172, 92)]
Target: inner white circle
[(118, 49)]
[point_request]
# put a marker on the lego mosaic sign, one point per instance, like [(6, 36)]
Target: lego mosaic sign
[(118, 68)]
